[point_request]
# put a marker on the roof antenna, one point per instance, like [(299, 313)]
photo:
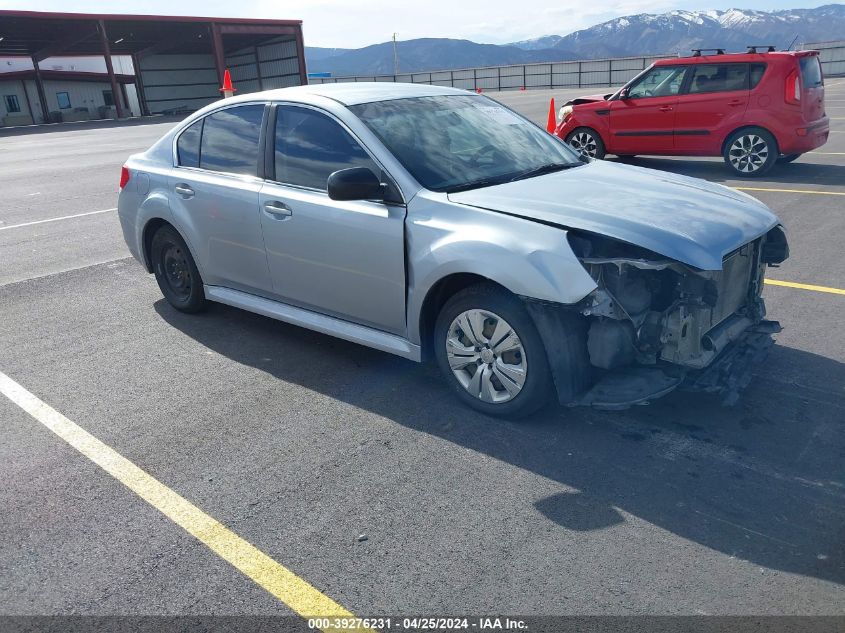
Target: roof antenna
[(789, 48)]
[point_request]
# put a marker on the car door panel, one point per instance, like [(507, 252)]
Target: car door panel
[(642, 126), (643, 121), (712, 105), (345, 259), (221, 218), (213, 195)]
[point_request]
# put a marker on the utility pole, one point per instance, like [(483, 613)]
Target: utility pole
[(395, 57)]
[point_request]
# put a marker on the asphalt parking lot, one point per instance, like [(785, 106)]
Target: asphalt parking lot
[(359, 473)]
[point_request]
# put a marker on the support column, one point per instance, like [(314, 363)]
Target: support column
[(139, 86), (110, 70), (258, 68), (42, 96), (300, 52), (28, 102), (217, 49)]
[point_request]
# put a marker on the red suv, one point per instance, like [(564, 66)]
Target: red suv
[(754, 109)]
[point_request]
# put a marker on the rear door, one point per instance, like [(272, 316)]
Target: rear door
[(643, 122), (214, 197), (713, 103), (812, 87)]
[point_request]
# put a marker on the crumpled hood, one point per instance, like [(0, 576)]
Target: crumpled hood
[(686, 219)]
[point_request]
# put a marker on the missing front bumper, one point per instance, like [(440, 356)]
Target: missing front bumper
[(727, 375)]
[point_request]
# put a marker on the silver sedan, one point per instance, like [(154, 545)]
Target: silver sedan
[(434, 223)]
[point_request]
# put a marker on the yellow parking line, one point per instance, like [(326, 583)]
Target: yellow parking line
[(829, 153), (285, 585), (819, 193), (792, 284)]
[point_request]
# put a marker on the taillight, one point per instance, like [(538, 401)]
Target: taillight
[(792, 93), (124, 176)]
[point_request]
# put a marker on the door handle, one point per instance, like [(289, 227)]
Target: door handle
[(665, 108), (735, 103), (184, 190), (277, 209)]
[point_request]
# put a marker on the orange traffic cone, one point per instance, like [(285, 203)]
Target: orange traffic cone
[(228, 89), (552, 122), (478, 90)]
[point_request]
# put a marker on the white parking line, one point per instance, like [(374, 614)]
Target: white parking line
[(64, 217)]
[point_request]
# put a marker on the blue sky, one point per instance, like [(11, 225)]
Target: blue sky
[(354, 23)]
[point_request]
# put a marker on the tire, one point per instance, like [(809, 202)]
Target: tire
[(175, 271), (750, 152), (517, 355), (587, 142), (788, 158)]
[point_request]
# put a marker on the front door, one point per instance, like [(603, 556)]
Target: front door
[(643, 122), (344, 259)]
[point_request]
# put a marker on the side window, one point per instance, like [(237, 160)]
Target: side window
[(660, 81), (310, 146), (64, 100), (188, 145), (718, 78), (230, 140), (756, 74)]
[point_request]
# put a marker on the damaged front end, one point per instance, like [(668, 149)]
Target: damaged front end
[(655, 324)]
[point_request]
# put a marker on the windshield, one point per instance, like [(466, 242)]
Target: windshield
[(452, 143)]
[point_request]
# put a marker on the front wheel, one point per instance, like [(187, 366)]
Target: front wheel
[(586, 142), (751, 152), (175, 271), (490, 352)]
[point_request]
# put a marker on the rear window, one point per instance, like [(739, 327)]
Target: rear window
[(718, 78), (757, 71), (811, 71), (188, 146), (230, 140)]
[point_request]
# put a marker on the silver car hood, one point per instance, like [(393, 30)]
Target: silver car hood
[(686, 219)]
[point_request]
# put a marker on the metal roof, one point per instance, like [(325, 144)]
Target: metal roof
[(28, 33)]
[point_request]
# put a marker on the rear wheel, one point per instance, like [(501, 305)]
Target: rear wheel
[(586, 142), (788, 158), (175, 271), (751, 152), (490, 352)]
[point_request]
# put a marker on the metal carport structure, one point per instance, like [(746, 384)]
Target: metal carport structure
[(179, 61)]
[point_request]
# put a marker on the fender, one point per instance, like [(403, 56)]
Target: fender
[(528, 258)]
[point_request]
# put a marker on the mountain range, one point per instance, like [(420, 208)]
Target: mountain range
[(634, 35)]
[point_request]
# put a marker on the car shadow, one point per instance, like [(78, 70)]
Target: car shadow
[(802, 172), (763, 482)]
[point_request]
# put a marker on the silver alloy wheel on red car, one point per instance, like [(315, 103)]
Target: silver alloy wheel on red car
[(486, 356), (584, 143), (748, 153)]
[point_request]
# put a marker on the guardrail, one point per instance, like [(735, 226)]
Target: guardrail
[(595, 73), (831, 55), (568, 74)]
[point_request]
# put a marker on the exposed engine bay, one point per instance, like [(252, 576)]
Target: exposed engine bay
[(653, 312)]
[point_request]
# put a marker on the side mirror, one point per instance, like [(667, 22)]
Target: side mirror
[(623, 94), (355, 183)]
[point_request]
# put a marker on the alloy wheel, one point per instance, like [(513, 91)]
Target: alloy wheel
[(584, 144), (748, 153), (486, 356)]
